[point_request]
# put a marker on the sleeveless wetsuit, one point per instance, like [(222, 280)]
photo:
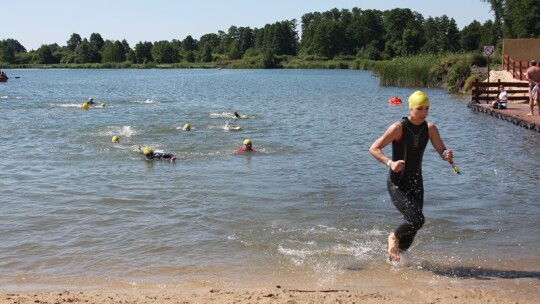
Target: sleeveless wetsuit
[(406, 188)]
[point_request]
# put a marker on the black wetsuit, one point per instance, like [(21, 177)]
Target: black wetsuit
[(406, 188), (158, 155)]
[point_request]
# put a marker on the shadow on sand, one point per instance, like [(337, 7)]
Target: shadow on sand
[(479, 273)]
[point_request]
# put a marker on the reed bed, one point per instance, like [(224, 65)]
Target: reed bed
[(408, 72)]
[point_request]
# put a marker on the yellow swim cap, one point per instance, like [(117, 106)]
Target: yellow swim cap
[(85, 106), (115, 139), (147, 150), (186, 127), (247, 142), (418, 99)]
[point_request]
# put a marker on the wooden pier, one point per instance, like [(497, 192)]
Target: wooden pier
[(518, 92), (516, 113)]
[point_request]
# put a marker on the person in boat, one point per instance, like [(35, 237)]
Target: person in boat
[(149, 154), (409, 137), (502, 100), (246, 147)]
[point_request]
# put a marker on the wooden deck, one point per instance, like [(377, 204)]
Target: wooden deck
[(516, 114)]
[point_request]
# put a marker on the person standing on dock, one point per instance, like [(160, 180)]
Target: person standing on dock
[(409, 137), (533, 76)]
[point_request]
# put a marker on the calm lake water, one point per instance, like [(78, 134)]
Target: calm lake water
[(310, 206)]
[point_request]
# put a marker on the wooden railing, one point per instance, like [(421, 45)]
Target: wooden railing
[(489, 91), (517, 68)]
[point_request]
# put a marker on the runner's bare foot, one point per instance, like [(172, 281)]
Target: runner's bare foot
[(393, 248)]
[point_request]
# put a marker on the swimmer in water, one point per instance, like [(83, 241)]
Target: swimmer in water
[(247, 147), (149, 154)]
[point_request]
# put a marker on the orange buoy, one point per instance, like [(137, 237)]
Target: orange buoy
[(394, 100)]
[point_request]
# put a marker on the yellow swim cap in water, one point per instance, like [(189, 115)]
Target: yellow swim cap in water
[(186, 127), (85, 106), (247, 142), (147, 150), (418, 99), (115, 139)]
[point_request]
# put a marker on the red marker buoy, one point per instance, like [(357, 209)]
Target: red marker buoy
[(394, 100)]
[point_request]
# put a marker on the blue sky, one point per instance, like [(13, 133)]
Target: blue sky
[(37, 22)]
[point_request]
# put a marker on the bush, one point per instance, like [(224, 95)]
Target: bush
[(457, 75), (478, 60), (468, 86)]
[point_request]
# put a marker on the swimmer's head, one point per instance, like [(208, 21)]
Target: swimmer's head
[(418, 99), (247, 142), (186, 127), (148, 150), (115, 139)]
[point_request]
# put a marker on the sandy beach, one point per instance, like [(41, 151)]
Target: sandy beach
[(410, 284), (467, 291)]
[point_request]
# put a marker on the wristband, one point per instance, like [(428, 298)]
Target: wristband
[(443, 155), (389, 162)]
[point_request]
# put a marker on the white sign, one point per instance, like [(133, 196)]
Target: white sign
[(489, 50)]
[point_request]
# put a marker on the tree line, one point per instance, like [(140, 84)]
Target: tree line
[(334, 34)]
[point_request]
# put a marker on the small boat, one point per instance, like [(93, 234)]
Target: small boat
[(3, 77)]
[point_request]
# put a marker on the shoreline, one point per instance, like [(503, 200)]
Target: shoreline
[(396, 285), (455, 291)]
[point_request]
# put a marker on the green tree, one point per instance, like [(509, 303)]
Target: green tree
[(125, 46), (97, 42), (86, 53), (213, 40), (309, 22), (9, 49), (402, 32), (143, 52), (113, 51), (440, 35), (163, 52), (365, 30), (522, 19), (471, 37), (245, 39), (74, 41), (233, 51), (7, 54), (498, 9), (206, 52), (328, 38), (44, 55), (489, 33), (232, 36), (190, 56), (189, 44)]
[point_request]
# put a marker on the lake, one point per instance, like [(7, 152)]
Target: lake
[(309, 206)]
